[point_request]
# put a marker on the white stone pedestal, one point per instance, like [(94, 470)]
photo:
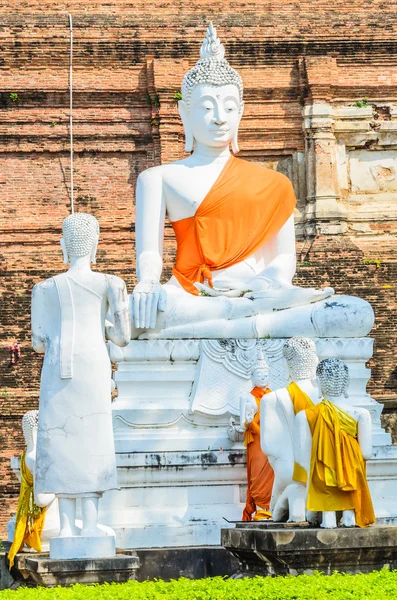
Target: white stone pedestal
[(179, 472), (82, 547)]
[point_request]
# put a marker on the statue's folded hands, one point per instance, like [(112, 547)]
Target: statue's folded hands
[(268, 295)]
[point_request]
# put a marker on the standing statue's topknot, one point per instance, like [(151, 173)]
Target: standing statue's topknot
[(211, 69)]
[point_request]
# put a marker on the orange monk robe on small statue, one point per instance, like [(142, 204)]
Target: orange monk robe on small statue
[(260, 474), (337, 480)]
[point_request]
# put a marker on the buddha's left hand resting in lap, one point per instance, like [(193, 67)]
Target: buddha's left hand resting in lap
[(233, 222)]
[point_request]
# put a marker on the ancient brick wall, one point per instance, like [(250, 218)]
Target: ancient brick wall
[(129, 59)]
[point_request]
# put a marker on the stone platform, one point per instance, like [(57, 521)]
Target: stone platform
[(289, 549), (43, 571)]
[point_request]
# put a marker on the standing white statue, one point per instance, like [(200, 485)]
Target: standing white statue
[(277, 430), (234, 227), (259, 472), (75, 447), (28, 524), (332, 442)]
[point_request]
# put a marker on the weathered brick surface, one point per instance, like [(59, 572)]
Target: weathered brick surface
[(129, 60)]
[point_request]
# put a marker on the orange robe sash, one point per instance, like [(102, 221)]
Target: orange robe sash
[(337, 467), (300, 401), (260, 475), (247, 205)]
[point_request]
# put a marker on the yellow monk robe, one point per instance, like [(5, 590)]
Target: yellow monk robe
[(300, 401), (337, 468), (30, 517), (247, 205), (260, 474)]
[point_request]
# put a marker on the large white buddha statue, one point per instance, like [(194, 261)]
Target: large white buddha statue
[(234, 228), (75, 456)]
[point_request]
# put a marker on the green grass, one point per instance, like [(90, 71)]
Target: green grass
[(380, 585)]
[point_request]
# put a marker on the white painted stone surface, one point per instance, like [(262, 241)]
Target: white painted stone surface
[(82, 547)]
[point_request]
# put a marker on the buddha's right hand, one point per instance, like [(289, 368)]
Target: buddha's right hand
[(148, 297)]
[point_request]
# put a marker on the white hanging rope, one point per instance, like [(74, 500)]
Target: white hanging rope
[(71, 112)]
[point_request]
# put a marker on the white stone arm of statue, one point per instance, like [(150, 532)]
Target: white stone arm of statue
[(248, 409), (364, 432), (119, 330), (302, 441), (149, 295), (39, 316)]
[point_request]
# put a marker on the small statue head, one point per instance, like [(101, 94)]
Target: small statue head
[(30, 422), (333, 377), (212, 98), (300, 354), (80, 237), (260, 372)]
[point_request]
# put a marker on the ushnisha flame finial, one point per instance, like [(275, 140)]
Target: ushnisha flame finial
[(261, 362), (212, 46), (211, 69)]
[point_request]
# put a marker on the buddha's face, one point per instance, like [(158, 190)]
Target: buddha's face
[(260, 378), (214, 114)]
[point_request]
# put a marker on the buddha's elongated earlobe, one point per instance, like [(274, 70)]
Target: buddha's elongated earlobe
[(235, 147), (93, 251), (64, 251), (184, 114)]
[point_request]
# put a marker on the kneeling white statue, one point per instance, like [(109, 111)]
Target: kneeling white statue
[(31, 511), (75, 446), (278, 412), (332, 442), (260, 474)]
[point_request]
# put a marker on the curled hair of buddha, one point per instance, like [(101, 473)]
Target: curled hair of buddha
[(211, 69), (80, 232), (333, 376), (300, 353)]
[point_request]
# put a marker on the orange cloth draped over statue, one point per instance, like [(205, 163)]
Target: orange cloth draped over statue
[(247, 205), (300, 401), (337, 467), (260, 474)]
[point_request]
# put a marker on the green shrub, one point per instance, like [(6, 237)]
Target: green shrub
[(379, 585)]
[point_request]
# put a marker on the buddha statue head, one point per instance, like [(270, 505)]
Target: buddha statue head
[(80, 237), (30, 421), (260, 372), (333, 377), (212, 98), (300, 354)]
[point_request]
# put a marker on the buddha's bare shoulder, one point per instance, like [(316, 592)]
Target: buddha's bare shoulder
[(161, 172), (43, 286)]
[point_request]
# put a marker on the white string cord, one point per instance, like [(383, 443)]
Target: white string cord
[(71, 113)]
